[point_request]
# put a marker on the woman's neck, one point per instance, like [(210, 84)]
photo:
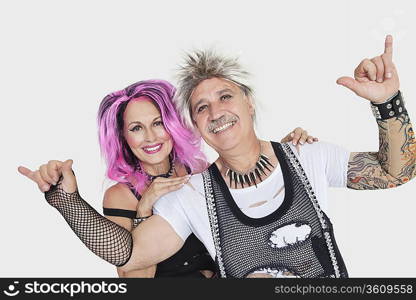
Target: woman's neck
[(157, 169)]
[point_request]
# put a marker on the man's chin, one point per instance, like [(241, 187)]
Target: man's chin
[(224, 145)]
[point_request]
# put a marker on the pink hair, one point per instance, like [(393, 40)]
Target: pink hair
[(122, 165)]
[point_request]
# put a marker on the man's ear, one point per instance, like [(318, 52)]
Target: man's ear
[(251, 106)]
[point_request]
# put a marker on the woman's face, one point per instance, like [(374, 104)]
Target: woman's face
[(145, 133)]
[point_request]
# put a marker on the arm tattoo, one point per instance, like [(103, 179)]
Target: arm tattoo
[(395, 162)]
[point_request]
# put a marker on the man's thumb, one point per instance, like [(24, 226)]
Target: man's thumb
[(349, 83)]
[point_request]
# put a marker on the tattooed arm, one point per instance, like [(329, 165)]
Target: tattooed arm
[(394, 163), (376, 80)]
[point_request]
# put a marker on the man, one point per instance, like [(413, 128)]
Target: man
[(257, 209)]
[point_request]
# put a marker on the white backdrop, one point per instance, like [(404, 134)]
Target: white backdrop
[(60, 58)]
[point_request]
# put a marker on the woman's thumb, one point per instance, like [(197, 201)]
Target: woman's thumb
[(69, 183), (67, 167)]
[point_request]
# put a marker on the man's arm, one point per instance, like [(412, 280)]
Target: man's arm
[(395, 162), (376, 80)]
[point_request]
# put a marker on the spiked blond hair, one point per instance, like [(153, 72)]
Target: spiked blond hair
[(204, 64)]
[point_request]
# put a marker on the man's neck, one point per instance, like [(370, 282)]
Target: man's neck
[(243, 157)]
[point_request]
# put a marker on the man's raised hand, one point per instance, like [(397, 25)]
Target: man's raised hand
[(375, 79)]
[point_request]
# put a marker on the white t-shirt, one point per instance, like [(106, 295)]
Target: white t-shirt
[(325, 165)]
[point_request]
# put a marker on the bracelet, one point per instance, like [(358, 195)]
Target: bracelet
[(138, 220), (389, 109)]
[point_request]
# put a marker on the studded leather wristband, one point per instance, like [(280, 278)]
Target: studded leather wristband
[(389, 109), (138, 220)]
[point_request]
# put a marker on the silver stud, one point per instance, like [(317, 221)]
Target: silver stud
[(376, 112), (397, 101), (391, 113), (400, 109), (389, 106), (185, 263)]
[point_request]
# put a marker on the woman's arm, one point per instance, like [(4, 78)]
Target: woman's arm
[(120, 197), (154, 240)]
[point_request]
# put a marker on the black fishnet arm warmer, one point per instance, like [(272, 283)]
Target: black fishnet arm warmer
[(106, 239)]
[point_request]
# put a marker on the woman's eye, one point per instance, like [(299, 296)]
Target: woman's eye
[(136, 128), (158, 123), (225, 97), (201, 108)]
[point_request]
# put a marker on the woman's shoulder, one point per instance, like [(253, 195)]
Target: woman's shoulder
[(119, 196)]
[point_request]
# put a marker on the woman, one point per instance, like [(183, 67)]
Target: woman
[(149, 152)]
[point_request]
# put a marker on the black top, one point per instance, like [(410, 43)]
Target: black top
[(187, 262), (246, 244)]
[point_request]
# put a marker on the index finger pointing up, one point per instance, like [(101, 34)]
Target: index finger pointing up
[(388, 45)]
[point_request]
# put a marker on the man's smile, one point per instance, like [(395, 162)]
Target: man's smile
[(223, 127)]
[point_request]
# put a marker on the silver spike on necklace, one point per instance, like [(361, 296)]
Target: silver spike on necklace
[(251, 177)]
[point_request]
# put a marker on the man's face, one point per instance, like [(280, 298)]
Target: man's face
[(222, 113)]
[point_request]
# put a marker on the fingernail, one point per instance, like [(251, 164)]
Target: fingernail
[(301, 142), (45, 187), (294, 143), (379, 80), (388, 75), (292, 134)]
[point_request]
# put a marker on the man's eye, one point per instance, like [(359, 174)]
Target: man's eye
[(225, 97), (136, 128), (201, 108)]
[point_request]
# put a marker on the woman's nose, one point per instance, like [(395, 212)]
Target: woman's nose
[(150, 135)]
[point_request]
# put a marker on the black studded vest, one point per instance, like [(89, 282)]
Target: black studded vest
[(245, 245)]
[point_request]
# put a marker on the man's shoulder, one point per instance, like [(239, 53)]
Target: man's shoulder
[(196, 179), (195, 186), (316, 149), (319, 155)]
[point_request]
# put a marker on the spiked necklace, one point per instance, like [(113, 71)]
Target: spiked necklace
[(253, 176)]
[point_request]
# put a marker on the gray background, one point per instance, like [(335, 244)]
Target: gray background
[(60, 58)]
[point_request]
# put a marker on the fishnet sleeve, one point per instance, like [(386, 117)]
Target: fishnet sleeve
[(106, 239)]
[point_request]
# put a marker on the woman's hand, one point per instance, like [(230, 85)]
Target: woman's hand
[(159, 187), (49, 174), (298, 135)]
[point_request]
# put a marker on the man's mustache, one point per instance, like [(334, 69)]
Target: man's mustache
[(221, 121)]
